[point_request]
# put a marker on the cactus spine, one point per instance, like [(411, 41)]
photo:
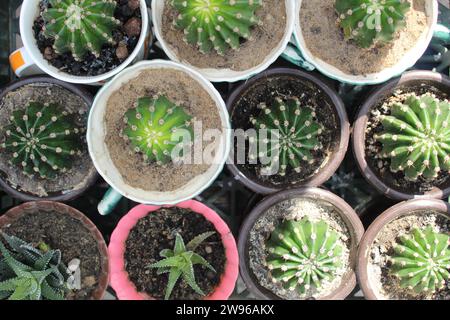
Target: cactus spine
[(42, 139), (216, 24), (371, 21), (416, 136)]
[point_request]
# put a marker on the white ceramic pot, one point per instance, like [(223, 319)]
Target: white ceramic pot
[(226, 75), (408, 60), (28, 60), (100, 155)]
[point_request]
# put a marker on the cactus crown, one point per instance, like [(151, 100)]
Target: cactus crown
[(289, 132), (42, 139), (302, 254), (416, 136), (180, 262), (155, 127), (80, 26), (371, 21), (422, 260), (216, 24), (27, 273)]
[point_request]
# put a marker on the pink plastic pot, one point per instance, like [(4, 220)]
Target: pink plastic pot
[(126, 290)]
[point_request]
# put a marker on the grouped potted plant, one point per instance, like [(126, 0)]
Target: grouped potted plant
[(366, 41), (405, 253), (313, 131), (181, 252), (81, 41), (224, 41), (43, 150), (300, 244), (50, 251), (399, 137)]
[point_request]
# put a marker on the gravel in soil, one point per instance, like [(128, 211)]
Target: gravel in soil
[(298, 208), (382, 281), (266, 90), (373, 148), (67, 234), (125, 37), (157, 232)]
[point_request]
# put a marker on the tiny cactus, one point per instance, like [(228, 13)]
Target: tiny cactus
[(80, 26), (294, 133), (153, 127), (42, 139), (421, 260), (26, 273), (370, 21), (416, 137), (180, 262), (216, 24), (302, 254)]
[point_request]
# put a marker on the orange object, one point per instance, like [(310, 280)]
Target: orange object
[(16, 60)]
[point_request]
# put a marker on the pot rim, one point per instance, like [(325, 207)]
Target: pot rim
[(347, 214), (359, 127), (124, 287), (227, 75), (14, 213), (391, 214), (337, 156), (88, 99)]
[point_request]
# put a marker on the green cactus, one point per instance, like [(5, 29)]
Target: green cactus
[(42, 139), (293, 132), (80, 26), (154, 128), (180, 262), (26, 273), (216, 24), (302, 254), (416, 136), (370, 21), (422, 260)]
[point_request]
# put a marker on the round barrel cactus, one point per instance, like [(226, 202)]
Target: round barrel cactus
[(43, 140), (155, 127), (416, 136), (303, 254), (80, 26), (216, 24), (370, 21)]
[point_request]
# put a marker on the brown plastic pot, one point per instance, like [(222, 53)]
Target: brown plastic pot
[(336, 158), (88, 99), (32, 207), (391, 214), (348, 215), (411, 78)]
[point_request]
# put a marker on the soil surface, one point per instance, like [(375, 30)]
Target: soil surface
[(111, 55), (178, 87), (267, 37), (381, 166), (325, 39), (67, 234), (82, 169), (157, 232), (285, 86), (386, 285), (297, 209)]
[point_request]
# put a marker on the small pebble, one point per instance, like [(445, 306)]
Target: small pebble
[(133, 27), (208, 250), (133, 4), (122, 51), (89, 281), (49, 53)]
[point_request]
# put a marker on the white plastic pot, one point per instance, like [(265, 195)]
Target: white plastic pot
[(96, 134), (28, 60), (408, 60), (226, 75)]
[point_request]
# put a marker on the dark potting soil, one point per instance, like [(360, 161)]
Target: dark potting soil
[(110, 56), (67, 234), (381, 166), (267, 90), (156, 232)]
